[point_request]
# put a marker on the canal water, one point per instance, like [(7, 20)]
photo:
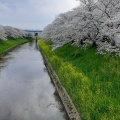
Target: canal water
[(26, 91)]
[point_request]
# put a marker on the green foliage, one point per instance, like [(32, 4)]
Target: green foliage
[(30, 38), (4, 45), (92, 81)]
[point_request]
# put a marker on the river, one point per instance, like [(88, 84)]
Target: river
[(26, 90)]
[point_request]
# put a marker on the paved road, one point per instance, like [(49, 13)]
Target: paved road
[(26, 91)]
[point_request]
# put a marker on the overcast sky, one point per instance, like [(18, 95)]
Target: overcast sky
[(32, 14)]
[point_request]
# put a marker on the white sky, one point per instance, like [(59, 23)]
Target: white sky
[(32, 14)]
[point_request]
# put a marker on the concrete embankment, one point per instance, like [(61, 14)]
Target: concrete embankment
[(67, 102), (10, 49)]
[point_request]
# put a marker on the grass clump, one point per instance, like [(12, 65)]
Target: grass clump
[(92, 81)]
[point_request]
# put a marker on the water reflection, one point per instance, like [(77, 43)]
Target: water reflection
[(36, 46), (26, 91)]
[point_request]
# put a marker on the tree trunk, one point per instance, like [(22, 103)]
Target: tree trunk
[(113, 43), (94, 44), (81, 42)]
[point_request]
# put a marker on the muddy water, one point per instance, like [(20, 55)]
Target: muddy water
[(26, 91)]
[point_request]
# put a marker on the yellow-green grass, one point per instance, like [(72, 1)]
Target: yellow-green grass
[(92, 81), (4, 45)]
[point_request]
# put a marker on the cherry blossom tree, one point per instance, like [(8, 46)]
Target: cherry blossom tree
[(109, 8), (13, 32), (95, 20), (28, 35), (2, 33), (8, 31)]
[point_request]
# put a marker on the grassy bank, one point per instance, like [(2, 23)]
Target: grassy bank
[(92, 81), (4, 45)]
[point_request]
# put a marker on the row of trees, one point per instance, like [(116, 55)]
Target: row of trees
[(95, 20), (8, 31)]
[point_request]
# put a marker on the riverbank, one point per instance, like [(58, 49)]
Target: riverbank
[(91, 80), (67, 102), (6, 46)]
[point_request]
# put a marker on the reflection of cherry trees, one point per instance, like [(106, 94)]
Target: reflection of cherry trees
[(93, 20), (8, 31)]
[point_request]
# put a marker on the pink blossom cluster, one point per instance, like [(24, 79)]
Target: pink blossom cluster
[(8, 31), (95, 20)]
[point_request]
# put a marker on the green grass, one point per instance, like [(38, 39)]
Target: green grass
[(4, 45), (92, 81)]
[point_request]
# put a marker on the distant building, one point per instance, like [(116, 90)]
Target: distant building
[(34, 31)]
